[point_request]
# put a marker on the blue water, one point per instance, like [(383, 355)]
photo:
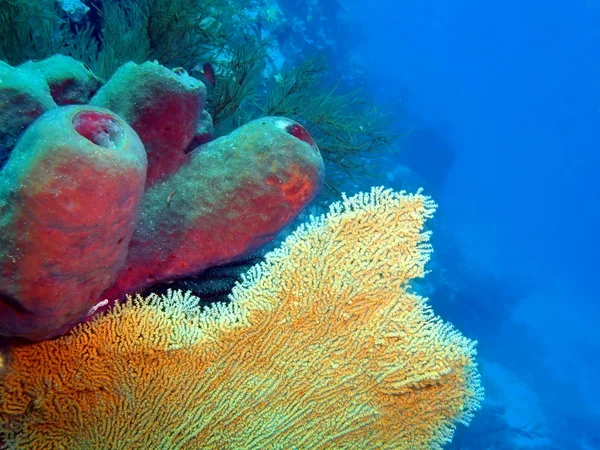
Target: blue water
[(503, 98), (498, 105)]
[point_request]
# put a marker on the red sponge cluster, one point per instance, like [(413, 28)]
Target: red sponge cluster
[(99, 201)]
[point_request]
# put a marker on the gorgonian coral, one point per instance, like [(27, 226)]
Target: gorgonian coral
[(321, 346)]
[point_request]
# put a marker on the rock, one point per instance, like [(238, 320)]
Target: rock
[(162, 106), (24, 96), (75, 9), (232, 196), (69, 201), (71, 82), (204, 131)]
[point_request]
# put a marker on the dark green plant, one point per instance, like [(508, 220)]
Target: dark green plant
[(184, 32), (172, 32), (123, 37), (234, 99), (31, 29), (348, 129), (176, 33)]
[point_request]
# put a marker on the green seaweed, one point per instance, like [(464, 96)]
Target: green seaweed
[(237, 94), (349, 130), (172, 32), (347, 127), (30, 29)]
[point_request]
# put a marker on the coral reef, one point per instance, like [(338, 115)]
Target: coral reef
[(245, 42), (75, 9), (213, 284), (321, 346), (348, 128), (65, 225), (205, 131)]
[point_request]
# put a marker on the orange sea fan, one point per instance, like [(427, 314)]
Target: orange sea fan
[(321, 346)]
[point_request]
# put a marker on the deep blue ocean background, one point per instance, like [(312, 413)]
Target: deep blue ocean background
[(501, 101), (498, 107)]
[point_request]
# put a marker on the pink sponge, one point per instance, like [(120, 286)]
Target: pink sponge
[(162, 106), (231, 197), (69, 201)]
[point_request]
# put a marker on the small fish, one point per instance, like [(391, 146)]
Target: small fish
[(208, 73), (179, 70), (169, 198), (272, 15)]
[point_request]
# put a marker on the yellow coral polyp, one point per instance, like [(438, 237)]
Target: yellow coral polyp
[(322, 346)]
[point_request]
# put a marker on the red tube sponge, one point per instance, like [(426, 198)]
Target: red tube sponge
[(233, 196), (69, 201)]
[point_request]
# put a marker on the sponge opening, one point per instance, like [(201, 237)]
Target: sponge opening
[(300, 132), (99, 128)]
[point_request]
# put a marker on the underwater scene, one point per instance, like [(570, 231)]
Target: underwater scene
[(299, 224)]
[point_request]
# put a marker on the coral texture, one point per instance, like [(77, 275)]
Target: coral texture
[(322, 346)]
